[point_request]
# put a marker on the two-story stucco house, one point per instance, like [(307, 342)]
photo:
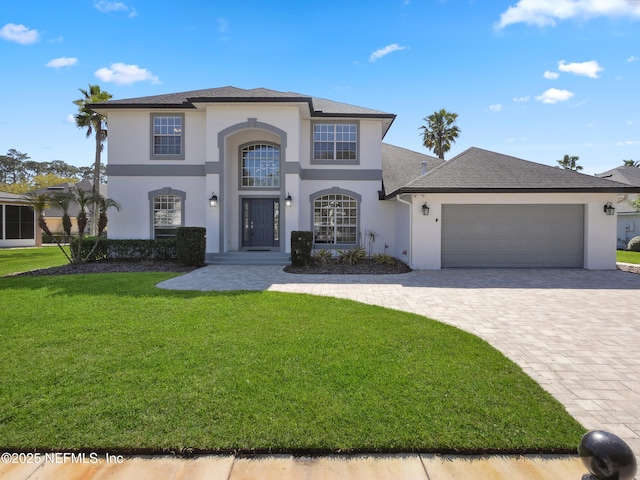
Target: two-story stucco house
[(253, 165)]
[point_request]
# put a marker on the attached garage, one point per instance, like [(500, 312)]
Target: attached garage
[(515, 236), (484, 209)]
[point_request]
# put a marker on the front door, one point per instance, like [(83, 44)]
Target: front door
[(260, 223)]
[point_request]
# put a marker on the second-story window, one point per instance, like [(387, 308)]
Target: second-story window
[(260, 166), (167, 140), (335, 141)]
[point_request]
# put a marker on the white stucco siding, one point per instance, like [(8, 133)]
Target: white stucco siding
[(426, 231), (132, 193), (221, 117), (130, 137)]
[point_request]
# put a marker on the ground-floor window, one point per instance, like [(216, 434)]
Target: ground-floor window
[(17, 222), (167, 215), (335, 219)]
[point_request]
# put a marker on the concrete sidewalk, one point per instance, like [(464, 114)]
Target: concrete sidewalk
[(285, 467)]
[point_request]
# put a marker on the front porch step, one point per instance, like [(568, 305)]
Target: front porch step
[(248, 258)]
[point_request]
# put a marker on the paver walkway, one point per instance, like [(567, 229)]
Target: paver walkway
[(576, 332)]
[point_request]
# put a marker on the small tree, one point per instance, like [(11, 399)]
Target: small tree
[(40, 203), (440, 132), (87, 203), (632, 163), (570, 162)]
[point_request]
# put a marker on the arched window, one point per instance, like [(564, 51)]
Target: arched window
[(260, 166), (167, 212), (335, 219)]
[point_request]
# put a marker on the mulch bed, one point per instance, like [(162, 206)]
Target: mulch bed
[(364, 268), (109, 267)]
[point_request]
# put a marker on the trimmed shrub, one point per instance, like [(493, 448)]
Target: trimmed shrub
[(301, 245), (191, 245), (634, 244), (141, 250)]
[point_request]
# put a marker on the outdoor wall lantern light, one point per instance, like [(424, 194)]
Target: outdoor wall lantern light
[(288, 200), (425, 209), (213, 201), (609, 209)]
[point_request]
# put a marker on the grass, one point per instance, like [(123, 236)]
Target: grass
[(110, 362), (14, 260), (627, 257)]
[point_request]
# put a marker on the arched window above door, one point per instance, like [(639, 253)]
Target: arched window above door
[(260, 165)]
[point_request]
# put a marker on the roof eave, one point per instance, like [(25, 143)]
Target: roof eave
[(511, 190)]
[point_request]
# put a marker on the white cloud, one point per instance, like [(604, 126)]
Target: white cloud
[(123, 74), (633, 58), (551, 75), (223, 24), (587, 69), (521, 99), (62, 62), (19, 34), (71, 119), (106, 6), (495, 108), (553, 95), (547, 12), (394, 47)]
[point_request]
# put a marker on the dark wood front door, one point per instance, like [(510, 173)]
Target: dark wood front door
[(260, 222)]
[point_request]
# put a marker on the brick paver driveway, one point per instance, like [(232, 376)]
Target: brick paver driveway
[(575, 331)]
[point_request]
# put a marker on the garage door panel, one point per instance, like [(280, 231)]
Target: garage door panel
[(513, 236)]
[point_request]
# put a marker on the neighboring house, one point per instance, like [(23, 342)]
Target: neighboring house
[(17, 221), (628, 215), (251, 166), (53, 214)]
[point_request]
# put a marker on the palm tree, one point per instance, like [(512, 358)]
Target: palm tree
[(94, 123), (631, 163), (440, 132), (570, 162), (40, 202)]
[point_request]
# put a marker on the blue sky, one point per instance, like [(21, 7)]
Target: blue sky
[(536, 79)]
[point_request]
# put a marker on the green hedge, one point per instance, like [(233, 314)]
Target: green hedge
[(301, 246), (109, 249), (191, 245)]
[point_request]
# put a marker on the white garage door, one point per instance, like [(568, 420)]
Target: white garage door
[(513, 236)]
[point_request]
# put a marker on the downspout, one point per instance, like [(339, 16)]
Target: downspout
[(410, 256)]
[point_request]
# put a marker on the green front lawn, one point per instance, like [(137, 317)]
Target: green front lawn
[(627, 257), (111, 362), (14, 260)]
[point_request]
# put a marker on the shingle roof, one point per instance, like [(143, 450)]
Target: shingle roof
[(7, 197), (85, 185), (318, 107), (477, 170), (623, 174), (234, 94), (400, 166)]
